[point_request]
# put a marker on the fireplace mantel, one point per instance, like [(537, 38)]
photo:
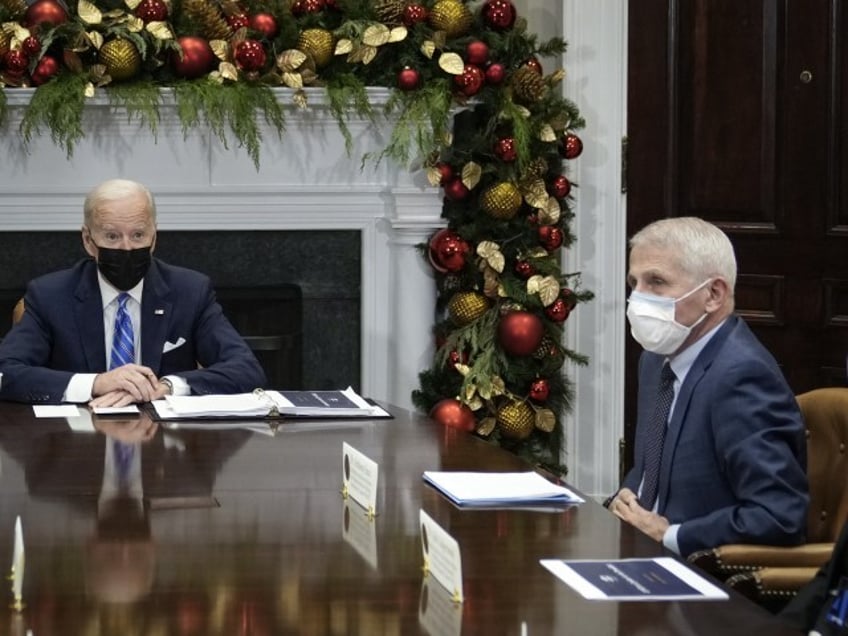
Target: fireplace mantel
[(306, 181)]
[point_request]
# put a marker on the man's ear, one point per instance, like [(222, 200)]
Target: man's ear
[(719, 291), (88, 242)]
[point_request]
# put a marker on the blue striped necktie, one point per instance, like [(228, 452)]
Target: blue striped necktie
[(123, 342)]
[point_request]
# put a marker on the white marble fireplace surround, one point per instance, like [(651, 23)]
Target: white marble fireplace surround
[(306, 181)]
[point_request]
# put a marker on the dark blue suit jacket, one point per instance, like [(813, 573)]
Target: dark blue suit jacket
[(61, 333), (734, 459)]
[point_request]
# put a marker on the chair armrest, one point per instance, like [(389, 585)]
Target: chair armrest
[(772, 587), (730, 559)]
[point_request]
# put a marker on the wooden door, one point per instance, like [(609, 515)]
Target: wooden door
[(738, 114)]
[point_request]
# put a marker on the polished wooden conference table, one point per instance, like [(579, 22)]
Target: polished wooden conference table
[(246, 533)]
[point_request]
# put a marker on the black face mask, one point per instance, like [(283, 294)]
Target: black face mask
[(123, 268)]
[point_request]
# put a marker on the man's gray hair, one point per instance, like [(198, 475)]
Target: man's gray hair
[(115, 190), (702, 249)]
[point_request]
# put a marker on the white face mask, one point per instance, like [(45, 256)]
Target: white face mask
[(653, 324)]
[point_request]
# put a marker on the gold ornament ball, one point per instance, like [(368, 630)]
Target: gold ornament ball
[(318, 43), (452, 17), (516, 420), (501, 201), (121, 59), (467, 306)]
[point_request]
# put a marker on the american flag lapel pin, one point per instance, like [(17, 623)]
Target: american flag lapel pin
[(159, 312)]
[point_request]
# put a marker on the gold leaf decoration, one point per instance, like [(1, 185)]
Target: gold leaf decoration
[(471, 173), (551, 213), (96, 39), (133, 4), (376, 35), (368, 54), (486, 426), (290, 60), (398, 34), (557, 76), (89, 90), (220, 48), (498, 386), (537, 252), (134, 24), (474, 403), (491, 282), (160, 30), (547, 134), (292, 80), (491, 252), (535, 193), (19, 33), (545, 420), (299, 99), (434, 176), (428, 48), (547, 287), (462, 369), (451, 63), (228, 71), (470, 390), (89, 13), (344, 46)]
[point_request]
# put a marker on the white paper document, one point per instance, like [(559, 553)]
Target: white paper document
[(499, 489), (262, 403), (659, 579), (55, 410)]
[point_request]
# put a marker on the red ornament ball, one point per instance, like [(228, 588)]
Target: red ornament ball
[(238, 21), (550, 237), (446, 170), (499, 14), (266, 24), (558, 310), (534, 63), (152, 11), (15, 63), (524, 269), (470, 81), (455, 190), (477, 52), (413, 14), (197, 57), (453, 414), (31, 46), (45, 11), (495, 74), (505, 149), (46, 68), (520, 332), (572, 146), (447, 251), (302, 7), (250, 55), (560, 186), (540, 389), (408, 79)]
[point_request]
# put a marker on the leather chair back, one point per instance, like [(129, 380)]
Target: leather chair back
[(825, 413)]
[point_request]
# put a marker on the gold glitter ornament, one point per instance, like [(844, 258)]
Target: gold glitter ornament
[(318, 43), (516, 420), (501, 200), (452, 17), (121, 59), (467, 306)]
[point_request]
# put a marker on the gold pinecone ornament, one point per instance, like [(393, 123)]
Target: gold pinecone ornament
[(467, 306), (501, 200), (121, 59), (516, 420), (16, 8), (390, 12), (208, 19), (318, 43), (452, 17), (528, 86)]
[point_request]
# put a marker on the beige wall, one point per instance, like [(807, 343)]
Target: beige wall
[(544, 17)]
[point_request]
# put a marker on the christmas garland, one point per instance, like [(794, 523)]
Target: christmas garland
[(501, 161)]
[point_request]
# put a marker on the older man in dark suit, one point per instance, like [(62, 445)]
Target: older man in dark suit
[(720, 453), (122, 327)]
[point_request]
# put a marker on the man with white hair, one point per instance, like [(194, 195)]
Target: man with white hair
[(720, 453)]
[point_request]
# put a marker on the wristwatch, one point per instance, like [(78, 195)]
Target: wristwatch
[(168, 384)]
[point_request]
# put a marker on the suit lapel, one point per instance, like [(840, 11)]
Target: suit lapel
[(88, 317), (156, 311), (681, 405)]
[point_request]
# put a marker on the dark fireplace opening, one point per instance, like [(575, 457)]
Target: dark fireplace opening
[(294, 295)]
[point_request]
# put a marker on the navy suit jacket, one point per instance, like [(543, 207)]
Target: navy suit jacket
[(734, 459), (61, 333)]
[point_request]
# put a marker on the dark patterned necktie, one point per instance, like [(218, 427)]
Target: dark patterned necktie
[(656, 438), (123, 342)]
